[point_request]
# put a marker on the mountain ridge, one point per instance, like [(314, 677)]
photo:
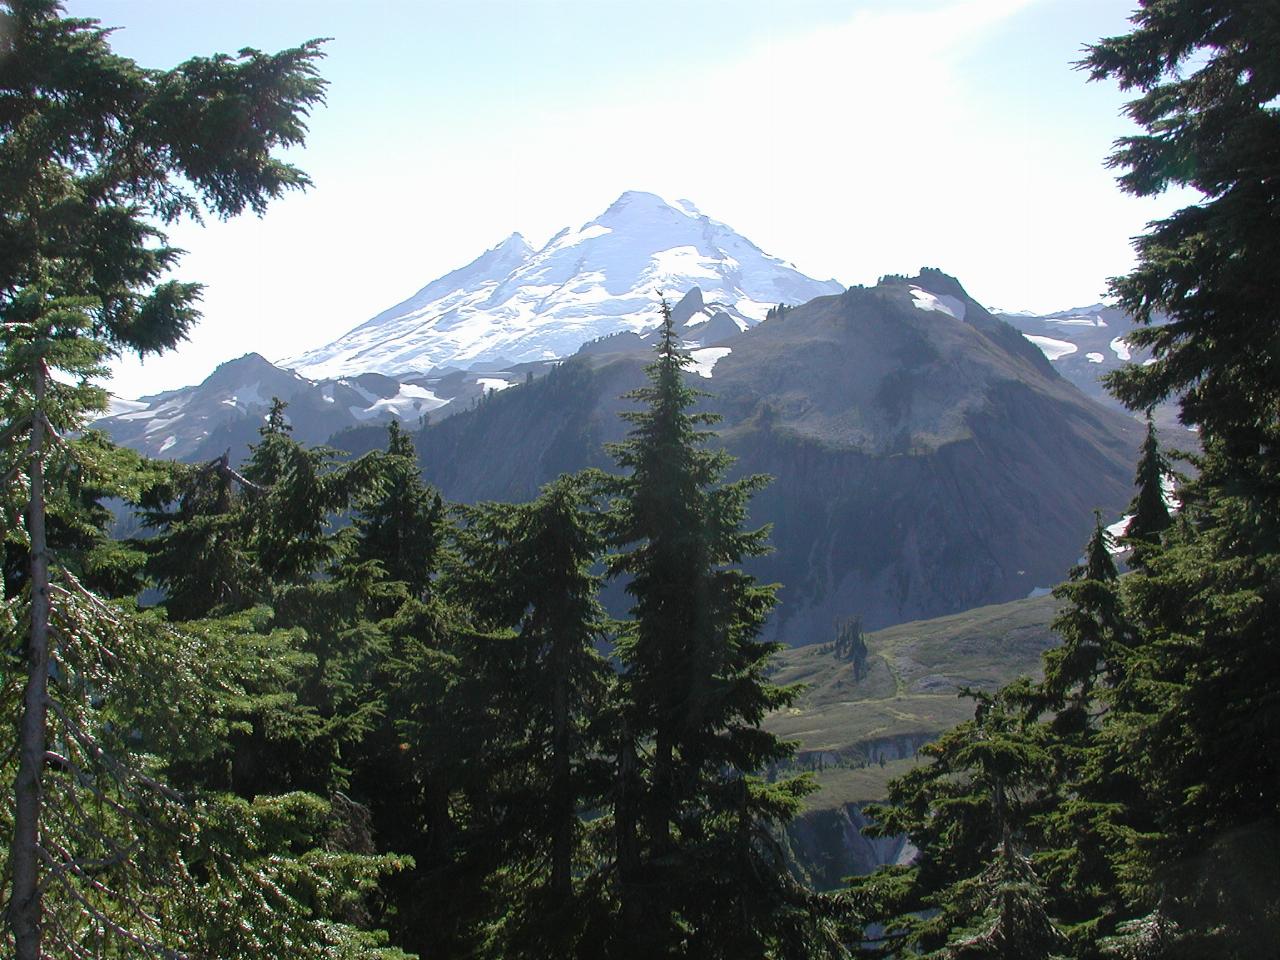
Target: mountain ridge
[(923, 463), (515, 304)]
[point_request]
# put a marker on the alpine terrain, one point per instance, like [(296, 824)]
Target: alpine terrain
[(513, 303), (927, 457)]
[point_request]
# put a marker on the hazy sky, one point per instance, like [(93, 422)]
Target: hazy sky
[(853, 138)]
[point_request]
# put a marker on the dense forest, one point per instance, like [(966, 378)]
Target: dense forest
[(315, 711)]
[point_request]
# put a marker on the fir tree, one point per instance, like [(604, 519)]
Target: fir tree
[(698, 873), (849, 645), (1201, 681), (1150, 512), (1090, 626), (94, 152), (196, 553), (399, 521), (969, 810), (527, 569)]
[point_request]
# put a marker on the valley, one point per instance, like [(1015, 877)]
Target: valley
[(855, 734), (929, 457)]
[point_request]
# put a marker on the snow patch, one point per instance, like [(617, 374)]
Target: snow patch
[(1094, 357), (1074, 321), (705, 360), (492, 383), (137, 415), (940, 303), (1120, 348), (1116, 531), (683, 262), (410, 401), (169, 441), (1051, 348), (118, 406)]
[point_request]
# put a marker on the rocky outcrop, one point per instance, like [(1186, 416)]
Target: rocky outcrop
[(926, 457), (828, 845)]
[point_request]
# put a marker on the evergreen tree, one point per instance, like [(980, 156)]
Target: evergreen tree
[(1150, 513), (400, 521), (527, 569), (1093, 801), (1090, 626), (298, 490), (970, 891), (196, 553), (1202, 678), (1207, 83), (94, 151), (440, 708), (850, 645), (698, 872)]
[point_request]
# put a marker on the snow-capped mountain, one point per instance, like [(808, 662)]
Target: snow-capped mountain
[(1083, 344), (928, 457), (514, 304), (226, 410)]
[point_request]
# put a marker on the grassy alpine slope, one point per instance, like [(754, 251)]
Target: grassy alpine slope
[(908, 696)]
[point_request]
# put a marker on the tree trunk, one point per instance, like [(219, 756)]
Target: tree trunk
[(562, 789), (25, 907), (625, 822)]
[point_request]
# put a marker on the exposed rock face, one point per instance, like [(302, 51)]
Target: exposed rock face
[(926, 457), (829, 845)]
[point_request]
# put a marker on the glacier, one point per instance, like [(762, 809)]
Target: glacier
[(514, 304)]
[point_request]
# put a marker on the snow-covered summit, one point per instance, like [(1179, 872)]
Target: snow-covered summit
[(517, 304)]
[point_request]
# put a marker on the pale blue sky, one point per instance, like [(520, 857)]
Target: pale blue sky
[(854, 138)]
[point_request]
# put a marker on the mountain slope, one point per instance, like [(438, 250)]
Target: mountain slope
[(514, 304), (226, 410), (857, 732), (927, 458)]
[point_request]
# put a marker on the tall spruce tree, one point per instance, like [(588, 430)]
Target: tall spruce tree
[(400, 521), (698, 872)]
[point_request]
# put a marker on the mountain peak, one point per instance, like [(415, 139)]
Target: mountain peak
[(515, 242), (604, 277), (641, 204)]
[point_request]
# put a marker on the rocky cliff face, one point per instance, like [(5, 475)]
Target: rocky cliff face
[(927, 457), (828, 845)]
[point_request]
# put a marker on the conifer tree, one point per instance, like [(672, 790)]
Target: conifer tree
[(297, 491), (196, 552), (1090, 627), (400, 521), (1150, 512), (698, 872), (1202, 677), (94, 152), (527, 569), (969, 811)]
